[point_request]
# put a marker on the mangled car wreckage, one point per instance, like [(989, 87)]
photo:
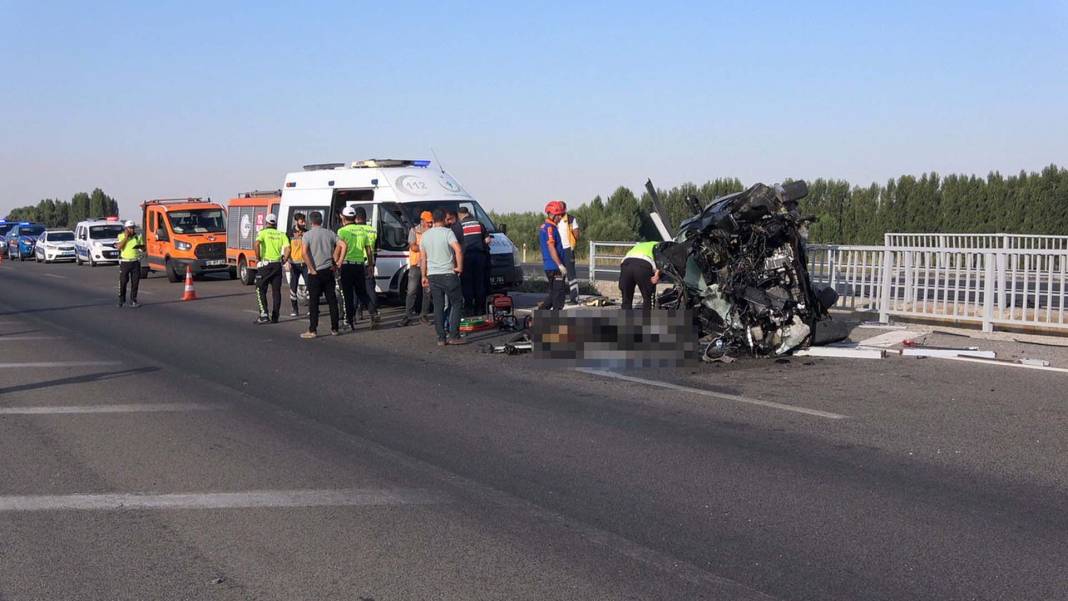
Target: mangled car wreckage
[(739, 264)]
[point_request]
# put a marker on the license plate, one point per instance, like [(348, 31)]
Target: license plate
[(215, 262)]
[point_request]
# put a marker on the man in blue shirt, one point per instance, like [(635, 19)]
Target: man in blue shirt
[(552, 253)]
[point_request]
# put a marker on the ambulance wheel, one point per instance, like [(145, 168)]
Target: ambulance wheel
[(172, 273)]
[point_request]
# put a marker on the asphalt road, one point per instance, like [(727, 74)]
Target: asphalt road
[(178, 451)]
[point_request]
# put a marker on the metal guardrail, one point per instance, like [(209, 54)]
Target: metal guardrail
[(990, 286), (978, 241)]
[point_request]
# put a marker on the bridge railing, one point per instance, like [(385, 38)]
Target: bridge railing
[(1017, 287)]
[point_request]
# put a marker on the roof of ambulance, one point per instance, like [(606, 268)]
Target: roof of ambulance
[(408, 183)]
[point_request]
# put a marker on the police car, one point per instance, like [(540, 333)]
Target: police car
[(54, 245), (95, 240), (20, 239)]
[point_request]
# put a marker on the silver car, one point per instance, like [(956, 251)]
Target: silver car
[(54, 245)]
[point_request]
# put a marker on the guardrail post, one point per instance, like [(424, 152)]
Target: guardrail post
[(831, 280), (988, 291), (593, 262), (1003, 296), (908, 278), (884, 294)]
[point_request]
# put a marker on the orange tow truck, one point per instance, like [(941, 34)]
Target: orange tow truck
[(246, 216), (184, 232)]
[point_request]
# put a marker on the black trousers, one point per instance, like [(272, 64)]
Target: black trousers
[(129, 273), (353, 287), (295, 271), (269, 274), (557, 291), (636, 272), (473, 281), (322, 284)]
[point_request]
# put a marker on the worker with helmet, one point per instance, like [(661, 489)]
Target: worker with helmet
[(358, 256), (130, 244), (552, 256), (272, 250)]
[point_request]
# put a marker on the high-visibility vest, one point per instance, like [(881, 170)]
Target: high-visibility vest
[(413, 255), (566, 225), (643, 251), (130, 252)]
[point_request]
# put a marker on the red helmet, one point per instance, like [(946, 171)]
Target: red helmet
[(555, 207)]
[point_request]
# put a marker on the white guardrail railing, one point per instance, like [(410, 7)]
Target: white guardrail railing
[(992, 286)]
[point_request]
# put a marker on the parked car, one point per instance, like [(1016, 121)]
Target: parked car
[(94, 241), (20, 240), (54, 245), (5, 227)]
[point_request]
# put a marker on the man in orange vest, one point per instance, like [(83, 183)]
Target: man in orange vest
[(415, 273)]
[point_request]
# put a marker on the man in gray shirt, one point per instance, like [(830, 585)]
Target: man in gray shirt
[(322, 254), (441, 260)]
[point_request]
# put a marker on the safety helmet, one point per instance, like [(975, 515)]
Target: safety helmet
[(348, 211), (129, 223), (555, 207), (272, 219)]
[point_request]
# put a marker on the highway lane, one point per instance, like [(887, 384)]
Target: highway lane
[(945, 480)]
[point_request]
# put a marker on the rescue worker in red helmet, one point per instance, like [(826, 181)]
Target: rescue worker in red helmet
[(552, 256)]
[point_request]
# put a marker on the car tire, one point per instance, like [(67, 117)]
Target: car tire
[(244, 273), (172, 273)]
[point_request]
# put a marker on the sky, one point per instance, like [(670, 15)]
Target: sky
[(523, 102)]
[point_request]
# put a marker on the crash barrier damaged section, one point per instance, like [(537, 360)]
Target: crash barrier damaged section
[(1023, 284)]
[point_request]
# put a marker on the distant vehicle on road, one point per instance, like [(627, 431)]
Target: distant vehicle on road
[(20, 239), (393, 193), (94, 241), (184, 232), (246, 215), (5, 227), (54, 245)]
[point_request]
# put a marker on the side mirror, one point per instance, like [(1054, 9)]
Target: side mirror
[(502, 228)]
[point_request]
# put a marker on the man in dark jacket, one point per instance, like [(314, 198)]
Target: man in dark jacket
[(475, 243)]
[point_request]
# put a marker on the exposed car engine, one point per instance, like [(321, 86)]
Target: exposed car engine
[(740, 265)]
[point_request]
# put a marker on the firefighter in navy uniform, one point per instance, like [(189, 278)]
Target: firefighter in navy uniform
[(475, 244)]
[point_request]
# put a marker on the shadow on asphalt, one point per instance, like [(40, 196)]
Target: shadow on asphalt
[(19, 332), (84, 379), (67, 308)]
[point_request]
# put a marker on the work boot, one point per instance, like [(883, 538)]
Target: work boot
[(134, 304), (121, 303), (425, 320), (263, 319), (404, 321)]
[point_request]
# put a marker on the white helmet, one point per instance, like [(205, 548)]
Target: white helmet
[(272, 219), (129, 223), (348, 211)]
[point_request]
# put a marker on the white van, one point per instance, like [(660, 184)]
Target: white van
[(394, 193), (94, 241)]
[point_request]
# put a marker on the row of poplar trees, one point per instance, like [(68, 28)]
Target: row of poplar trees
[(55, 213), (1026, 203)]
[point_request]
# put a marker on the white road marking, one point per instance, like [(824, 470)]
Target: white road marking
[(59, 364), (715, 395), (54, 275), (226, 500), (119, 408), (25, 338)]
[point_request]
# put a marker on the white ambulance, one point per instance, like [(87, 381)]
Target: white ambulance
[(393, 193)]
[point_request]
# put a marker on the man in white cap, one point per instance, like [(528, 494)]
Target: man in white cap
[(272, 250), (130, 245)]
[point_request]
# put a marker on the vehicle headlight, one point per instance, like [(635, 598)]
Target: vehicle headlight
[(182, 245)]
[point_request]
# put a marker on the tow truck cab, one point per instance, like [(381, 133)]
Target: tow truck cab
[(393, 193), (184, 232), (246, 216)]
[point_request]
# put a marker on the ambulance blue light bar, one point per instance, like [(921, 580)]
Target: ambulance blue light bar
[(420, 163)]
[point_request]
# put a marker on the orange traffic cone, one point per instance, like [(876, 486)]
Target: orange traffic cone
[(190, 293)]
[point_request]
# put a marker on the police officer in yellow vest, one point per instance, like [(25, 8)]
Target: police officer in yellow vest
[(130, 245), (272, 250), (369, 271), (639, 269), (358, 251)]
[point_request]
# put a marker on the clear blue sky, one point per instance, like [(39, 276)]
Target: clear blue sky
[(523, 101)]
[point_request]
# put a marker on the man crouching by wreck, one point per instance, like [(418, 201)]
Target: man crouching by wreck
[(638, 268)]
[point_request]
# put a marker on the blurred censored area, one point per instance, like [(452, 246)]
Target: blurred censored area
[(615, 339)]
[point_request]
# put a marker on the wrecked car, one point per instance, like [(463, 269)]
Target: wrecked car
[(739, 265)]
